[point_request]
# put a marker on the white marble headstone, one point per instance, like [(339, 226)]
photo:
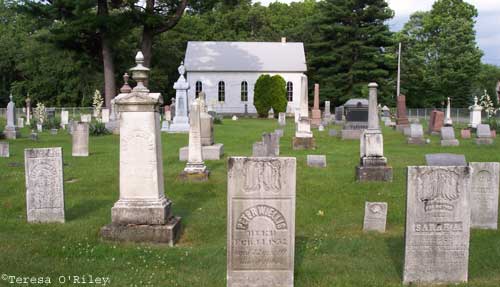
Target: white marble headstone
[(484, 194)]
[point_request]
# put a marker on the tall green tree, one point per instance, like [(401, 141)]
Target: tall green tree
[(347, 48)]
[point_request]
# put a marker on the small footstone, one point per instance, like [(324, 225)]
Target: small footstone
[(304, 143), (316, 160), (375, 216)]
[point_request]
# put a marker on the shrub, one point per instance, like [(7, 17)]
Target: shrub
[(278, 95), (97, 129), (262, 99), (52, 123)]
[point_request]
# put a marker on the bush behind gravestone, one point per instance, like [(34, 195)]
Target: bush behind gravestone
[(98, 129), (278, 95), (262, 99)]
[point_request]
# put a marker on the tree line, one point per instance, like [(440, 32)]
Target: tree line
[(60, 51)]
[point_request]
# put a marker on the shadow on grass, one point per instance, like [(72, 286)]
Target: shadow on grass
[(82, 209), (300, 251), (395, 247)]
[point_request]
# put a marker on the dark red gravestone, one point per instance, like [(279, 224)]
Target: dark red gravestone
[(402, 117), (436, 122), (465, 133)]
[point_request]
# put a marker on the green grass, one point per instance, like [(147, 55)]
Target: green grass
[(331, 250)]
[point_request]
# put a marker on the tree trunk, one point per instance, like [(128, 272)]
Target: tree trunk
[(107, 57), (147, 45)]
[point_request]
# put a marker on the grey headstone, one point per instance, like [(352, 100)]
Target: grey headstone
[(80, 139), (321, 128), (316, 160), (406, 131), (279, 132), (332, 133), (416, 131), (445, 159), (259, 149), (34, 136), (483, 131), (375, 216), (44, 185), (437, 225), (261, 221), (447, 133), (484, 194), (4, 149)]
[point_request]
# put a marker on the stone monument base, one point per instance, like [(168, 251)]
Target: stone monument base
[(351, 134), (484, 141), (299, 143), (141, 212), (11, 133), (212, 152), (416, 141), (373, 173), (168, 233), (178, 128), (450, 142), (194, 176)]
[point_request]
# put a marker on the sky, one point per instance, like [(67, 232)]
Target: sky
[(488, 32)]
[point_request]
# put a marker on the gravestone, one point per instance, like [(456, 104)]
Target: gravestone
[(416, 134), (327, 116), (270, 114), (445, 159), (282, 119), (437, 225), (261, 221), (143, 213), (401, 114), (386, 113), (28, 111), (316, 112), (80, 135), (11, 131), (373, 165), (475, 114), (465, 133), (4, 149), (268, 147), (44, 185), (316, 160), (34, 136), (20, 123), (303, 139), (483, 134), (86, 118), (332, 133), (356, 119), (164, 126), (51, 113), (436, 122), (339, 115), (64, 118), (375, 216), (448, 122), (484, 194), (448, 137), (181, 120), (105, 116), (279, 132)]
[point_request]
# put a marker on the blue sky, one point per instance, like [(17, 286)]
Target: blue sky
[(488, 32)]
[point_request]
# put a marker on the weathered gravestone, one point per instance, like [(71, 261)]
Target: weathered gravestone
[(261, 221), (437, 224), (20, 122), (445, 159), (80, 136), (279, 132), (483, 134), (339, 115), (401, 113), (465, 133), (416, 135), (375, 216), (86, 118), (44, 185), (316, 112), (4, 149), (316, 160), (64, 118), (282, 119), (269, 146), (436, 122), (484, 194), (105, 116), (448, 137), (11, 131)]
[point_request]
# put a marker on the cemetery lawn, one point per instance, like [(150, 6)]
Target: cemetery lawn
[(331, 248)]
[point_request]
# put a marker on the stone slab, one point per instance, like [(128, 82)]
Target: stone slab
[(4, 149), (261, 221), (375, 216), (447, 133), (44, 185), (454, 142), (483, 141), (168, 233), (483, 131), (373, 173), (416, 141), (445, 159), (213, 152), (484, 194), (316, 160), (351, 134), (303, 143), (437, 225)]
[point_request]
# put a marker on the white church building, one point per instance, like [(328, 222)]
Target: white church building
[(227, 72)]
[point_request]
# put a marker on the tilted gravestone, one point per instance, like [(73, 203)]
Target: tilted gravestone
[(484, 194), (44, 185), (375, 216), (445, 159), (4, 149), (437, 225), (261, 221), (448, 137)]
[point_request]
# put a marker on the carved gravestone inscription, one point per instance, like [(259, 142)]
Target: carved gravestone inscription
[(437, 224), (261, 221), (484, 194), (44, 185), (375, 216)]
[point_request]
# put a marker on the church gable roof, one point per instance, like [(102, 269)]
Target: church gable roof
[(245, 57)]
